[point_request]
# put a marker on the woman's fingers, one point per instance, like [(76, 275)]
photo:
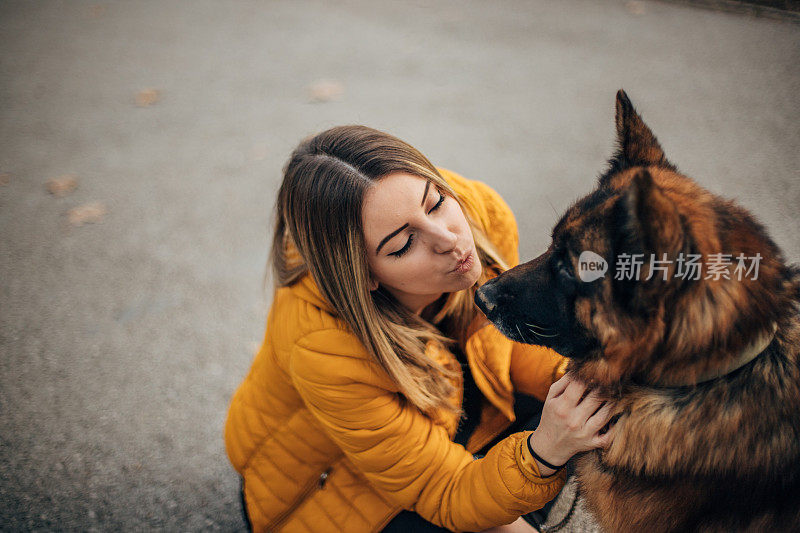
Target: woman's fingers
[(599, 419), (559, 386), (573, 393), (588, 406), (605, 440), (571, 419)]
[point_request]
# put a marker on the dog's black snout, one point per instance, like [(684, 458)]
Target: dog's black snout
[(487, 297), (483, 301)]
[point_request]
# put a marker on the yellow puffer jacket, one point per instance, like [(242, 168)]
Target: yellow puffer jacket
[(325, 442)]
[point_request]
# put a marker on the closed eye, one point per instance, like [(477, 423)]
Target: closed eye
[(438, 204), (404, 249)]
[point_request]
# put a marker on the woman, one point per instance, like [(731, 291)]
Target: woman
[(378, 379)]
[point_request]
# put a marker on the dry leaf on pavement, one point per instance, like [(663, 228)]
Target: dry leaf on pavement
[(148, 97), (62, 185), (325, 90), (5, 177), (96, 11), (87, 213), (635, 7)]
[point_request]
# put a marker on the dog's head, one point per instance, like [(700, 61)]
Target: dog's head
[(618, 290)]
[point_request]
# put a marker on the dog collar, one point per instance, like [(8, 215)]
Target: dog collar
[(750, 352)]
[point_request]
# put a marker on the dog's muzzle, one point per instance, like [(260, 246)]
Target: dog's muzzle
[(483, 302)]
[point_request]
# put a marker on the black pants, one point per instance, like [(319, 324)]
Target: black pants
[(528, 411), (247, 523)]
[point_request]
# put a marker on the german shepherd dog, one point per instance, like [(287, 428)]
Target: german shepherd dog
[(704, 368)]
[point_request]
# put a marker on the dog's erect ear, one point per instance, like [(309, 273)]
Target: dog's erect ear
[(637, 144), (646, 226), (650, 217)]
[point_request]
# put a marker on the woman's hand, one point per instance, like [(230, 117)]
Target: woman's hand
[(570, 423)]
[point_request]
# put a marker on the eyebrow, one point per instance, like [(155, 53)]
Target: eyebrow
[(404, 226), (425, 194)]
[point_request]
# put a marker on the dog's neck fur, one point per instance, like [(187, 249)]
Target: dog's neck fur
[(750, 352)]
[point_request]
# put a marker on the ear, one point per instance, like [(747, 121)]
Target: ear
[(651, 217), (373, 285), (646, 223), (636, 141), (637, 146)]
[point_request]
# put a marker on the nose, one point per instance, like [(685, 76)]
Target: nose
[(486, 297), (484, 302), (492, 296), (444, 240)]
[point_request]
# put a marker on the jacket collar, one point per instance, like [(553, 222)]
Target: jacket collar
[(306, 289)]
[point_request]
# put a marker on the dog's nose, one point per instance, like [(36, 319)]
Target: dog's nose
[(484, 300)]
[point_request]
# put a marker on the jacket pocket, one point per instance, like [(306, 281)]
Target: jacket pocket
[(314, 484)]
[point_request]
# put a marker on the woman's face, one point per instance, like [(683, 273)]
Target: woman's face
[(419, 244)]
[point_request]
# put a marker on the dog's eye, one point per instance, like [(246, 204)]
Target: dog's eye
[(565, 270)]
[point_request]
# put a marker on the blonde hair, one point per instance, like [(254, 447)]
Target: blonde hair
[(318, 229)]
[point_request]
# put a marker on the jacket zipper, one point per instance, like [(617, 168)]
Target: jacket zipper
[(317, 484)]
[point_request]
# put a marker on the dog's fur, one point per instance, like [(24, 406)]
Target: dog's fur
[(716, 455)]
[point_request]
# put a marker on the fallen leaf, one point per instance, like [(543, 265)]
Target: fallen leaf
[(148, 97), (635, 7), (62, 185), (325, 90), (5, 177), (96, 11), (87, 213)]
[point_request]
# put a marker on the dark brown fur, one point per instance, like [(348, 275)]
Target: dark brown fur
[(719, 455)]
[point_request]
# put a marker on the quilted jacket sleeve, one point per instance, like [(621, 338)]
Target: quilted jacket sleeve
[(403, 453)]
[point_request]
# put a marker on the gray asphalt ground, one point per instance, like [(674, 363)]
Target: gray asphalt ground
[(122, 341)]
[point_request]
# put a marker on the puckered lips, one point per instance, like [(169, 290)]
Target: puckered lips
[(464, 264)]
